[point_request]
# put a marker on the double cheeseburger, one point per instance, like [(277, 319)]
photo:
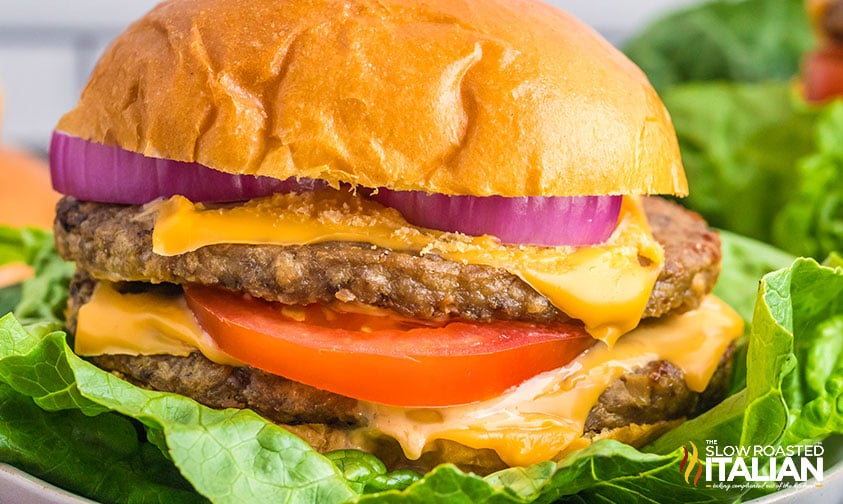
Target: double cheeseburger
[(418, 228)]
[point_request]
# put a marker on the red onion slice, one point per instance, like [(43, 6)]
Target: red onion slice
[(110, 174), (548, 221), (96, 172)]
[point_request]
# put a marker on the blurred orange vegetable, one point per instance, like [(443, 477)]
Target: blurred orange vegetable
[(26, 199), (26, 196)]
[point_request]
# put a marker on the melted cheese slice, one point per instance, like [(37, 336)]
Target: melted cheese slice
[(144, 323), (607, 287), (541, 419)]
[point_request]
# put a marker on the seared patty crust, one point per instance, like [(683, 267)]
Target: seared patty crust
[(114, 242)]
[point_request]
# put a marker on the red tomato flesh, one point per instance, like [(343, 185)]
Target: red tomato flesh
[(379, 358), (823, 73)]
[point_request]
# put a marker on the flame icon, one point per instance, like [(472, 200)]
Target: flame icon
[(694, 459)]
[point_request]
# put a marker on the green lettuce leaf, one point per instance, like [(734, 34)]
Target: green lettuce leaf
[(606, 471), (834, 260), (797, 383), (744, 262), (794, 368), (799, 324), (42, 298), (811, 223), (760, 161), (102, 457), (228, 456), (21, 245), (368, 474), (740, 144), (10, 296), (746, 41)]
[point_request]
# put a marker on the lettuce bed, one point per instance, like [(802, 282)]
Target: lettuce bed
[(72, 424)]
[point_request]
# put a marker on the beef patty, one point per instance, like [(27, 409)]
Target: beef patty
[(114, 242)]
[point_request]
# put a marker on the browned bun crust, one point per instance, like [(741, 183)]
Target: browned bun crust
[(509, 97)]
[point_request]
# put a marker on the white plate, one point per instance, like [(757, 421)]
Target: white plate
[(18, 487)]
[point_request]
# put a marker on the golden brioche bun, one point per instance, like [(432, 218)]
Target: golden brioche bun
[(508, 97)]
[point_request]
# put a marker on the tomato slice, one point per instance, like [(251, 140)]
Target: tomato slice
[(823, 73), (383, 359)]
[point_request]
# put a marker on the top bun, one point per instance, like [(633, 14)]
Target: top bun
[(507, 97)]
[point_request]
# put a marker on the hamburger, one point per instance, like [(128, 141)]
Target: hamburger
[(420, 229)]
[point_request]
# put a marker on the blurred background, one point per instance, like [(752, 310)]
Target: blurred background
[(48, 47)]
